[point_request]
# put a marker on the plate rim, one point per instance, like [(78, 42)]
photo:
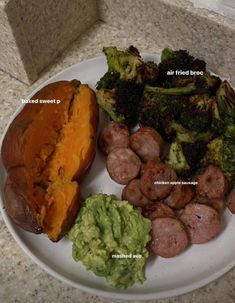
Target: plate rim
[(95, 291)]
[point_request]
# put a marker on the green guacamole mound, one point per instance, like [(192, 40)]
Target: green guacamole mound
[(110, 238)]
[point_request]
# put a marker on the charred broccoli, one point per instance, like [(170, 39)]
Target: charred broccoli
[(221, 151), (108, 81), (225, 97), (198, 84), (129, 65), (159, 111), (121, 103), (176, 159), (196, 115)]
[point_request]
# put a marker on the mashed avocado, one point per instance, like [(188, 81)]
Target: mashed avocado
[(110, 238)]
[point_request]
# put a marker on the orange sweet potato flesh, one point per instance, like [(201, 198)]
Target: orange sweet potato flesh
[(46, 151)]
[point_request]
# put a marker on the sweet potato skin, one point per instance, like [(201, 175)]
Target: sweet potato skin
[(26, 192)]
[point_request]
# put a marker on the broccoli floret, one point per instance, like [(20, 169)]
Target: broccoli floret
[(225, 97), (194, 152), (109, 80), (199, 84), (184, 135), (159, 111), (149, 73), (126, 63), (177, 160), (180, 60), (196, 115), (221, 151), (121, 103), (106, 100)]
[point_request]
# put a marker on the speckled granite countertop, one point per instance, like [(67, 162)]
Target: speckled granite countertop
[(23, 281)]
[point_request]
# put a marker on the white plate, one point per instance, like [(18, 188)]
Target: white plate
[(197, 266)]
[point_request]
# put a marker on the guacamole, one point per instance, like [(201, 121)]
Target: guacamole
[(110, 238)]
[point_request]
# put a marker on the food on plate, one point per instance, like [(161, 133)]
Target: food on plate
[(212, 183), (46, 151), (123, 165), (156, 181), (121, 102), (146, 143), (110, 238), (120, 90), (113, 135), (217, 204), (132, 193), (180, 195), (188, 106), (169, 237), (231, 200), (157, 209), (202, 222)]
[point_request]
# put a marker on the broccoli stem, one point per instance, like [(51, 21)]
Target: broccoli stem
[(186, 90)]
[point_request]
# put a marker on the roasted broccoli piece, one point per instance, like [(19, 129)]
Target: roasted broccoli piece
[(194, 152), (129, 65), (221, 151), (196, 115), (109, 80), (159, 111), (180, 60), (106, 100), (225, 97), (177, 160), (121, 103), (200, 84), (184, 135)]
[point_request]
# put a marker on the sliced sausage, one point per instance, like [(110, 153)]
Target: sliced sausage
[(217, 204), (169, 237), (212, 183), (155, 210), (156, 181), (202, 222), (231, 200), (113, 135), (180, 195), (147, 143), (132, 193), (123, 165)]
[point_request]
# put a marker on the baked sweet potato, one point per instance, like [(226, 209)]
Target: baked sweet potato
[(46, 151)]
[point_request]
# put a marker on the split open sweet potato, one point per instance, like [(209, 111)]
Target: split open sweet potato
[(46, 151)]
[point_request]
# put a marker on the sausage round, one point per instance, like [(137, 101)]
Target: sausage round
[(202, 222), (147, 143), (123, 165), (155, 183), (212, 183), (132, 193), (169, 237), (231, 200), (217, 204), (180, 195), (113, 135), (155, 210)]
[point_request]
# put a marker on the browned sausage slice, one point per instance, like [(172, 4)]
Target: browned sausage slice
[(113, 135), (169, 237), (231, 200), (155, 210), (147, 143), (155, 183), (202, 222), (217, 204), (132, 193), (180, 195), (123, 165), (212, 183)]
